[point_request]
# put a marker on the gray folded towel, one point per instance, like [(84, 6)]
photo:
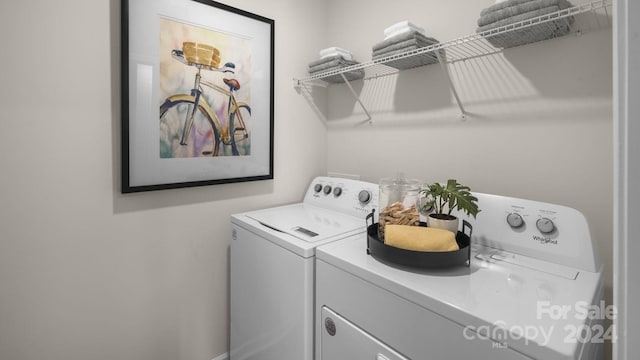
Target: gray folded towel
[(336, 62), (518, 18), (403, 44), (331, 59), (529, 35), (339, 62), (508, 3), (517, 7), (402, 37)]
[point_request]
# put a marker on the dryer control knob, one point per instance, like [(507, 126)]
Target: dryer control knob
[(337, 191), (545, 225), (317, 188), (364, 196), (515, 220), (327, 189)]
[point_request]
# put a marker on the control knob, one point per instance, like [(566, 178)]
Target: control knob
[(317, 188), (515, 220), (337, 191), (327, 189), (545, 225), (364, 196)]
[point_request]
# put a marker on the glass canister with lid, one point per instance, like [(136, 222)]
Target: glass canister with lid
[(398, 201)]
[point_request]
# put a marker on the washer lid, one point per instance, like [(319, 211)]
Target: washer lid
[(307, 222)]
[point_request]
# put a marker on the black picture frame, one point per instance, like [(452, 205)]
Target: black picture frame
[(181, 53)]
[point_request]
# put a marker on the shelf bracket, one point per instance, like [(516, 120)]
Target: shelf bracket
[(463, 114), (357, 97), (302, 89)]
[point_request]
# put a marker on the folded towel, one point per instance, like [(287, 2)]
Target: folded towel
[(419, 238), (489, 17), (403, 37), (531, 34), (401, 31), (334, 51), (402, 26), (343, 55), (504, 4), (414, 43), (331, 61), (332, 66), (519, 18)]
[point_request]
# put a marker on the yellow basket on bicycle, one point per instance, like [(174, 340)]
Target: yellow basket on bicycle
[(203, 54)]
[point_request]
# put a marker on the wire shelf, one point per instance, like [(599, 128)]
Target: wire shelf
[(579, 19)]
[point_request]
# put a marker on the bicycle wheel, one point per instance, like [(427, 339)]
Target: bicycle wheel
[(238, 119), (177, 138)]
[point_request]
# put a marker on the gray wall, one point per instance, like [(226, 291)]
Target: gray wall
[(85, 272)]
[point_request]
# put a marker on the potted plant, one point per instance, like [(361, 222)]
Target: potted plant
[(441, 200)]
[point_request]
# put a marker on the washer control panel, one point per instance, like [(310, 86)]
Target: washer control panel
[(545, 231), (353, 197)]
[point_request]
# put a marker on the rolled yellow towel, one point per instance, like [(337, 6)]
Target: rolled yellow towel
[(420, 238)]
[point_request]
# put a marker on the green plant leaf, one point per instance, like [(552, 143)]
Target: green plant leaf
[(453, 196)]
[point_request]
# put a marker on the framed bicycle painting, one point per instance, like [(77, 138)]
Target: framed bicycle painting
[(197, 94)]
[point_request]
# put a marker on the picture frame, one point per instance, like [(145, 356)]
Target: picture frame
[(197, 95)]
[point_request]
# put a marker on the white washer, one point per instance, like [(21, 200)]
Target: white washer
[(272, 266), (533, 290)]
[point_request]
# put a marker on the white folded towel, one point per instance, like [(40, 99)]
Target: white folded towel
[(400, 32), (333, 51), (401, 27)]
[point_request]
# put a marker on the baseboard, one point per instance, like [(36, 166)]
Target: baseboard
[(224, 356)]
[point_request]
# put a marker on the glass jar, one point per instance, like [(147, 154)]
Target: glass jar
[(398, 199)]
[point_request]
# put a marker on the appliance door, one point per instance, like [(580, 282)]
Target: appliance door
[(341, 339), (271, 300), (308, 223)]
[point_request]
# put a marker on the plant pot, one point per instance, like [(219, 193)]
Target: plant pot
[(443, 221)]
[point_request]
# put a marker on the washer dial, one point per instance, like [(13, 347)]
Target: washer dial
[(515, 220), (545, 225), (364, 196)]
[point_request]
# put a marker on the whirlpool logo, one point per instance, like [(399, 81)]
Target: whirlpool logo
[(545, 240)]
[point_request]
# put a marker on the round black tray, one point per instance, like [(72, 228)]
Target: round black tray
[(420, 259)]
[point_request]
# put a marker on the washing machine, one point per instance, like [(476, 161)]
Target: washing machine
[(273, 270), (532, 289)]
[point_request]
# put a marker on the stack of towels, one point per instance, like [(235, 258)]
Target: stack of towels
[(403, 37), (512, 11), (335, 58)]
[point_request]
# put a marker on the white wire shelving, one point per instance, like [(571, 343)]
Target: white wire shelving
[(581, 18)]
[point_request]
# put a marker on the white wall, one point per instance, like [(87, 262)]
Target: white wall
[(540, 116), (85, 272)]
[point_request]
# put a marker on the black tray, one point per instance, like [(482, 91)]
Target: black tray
[(420, 259)]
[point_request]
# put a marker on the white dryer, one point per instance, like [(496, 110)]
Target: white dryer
[(273, 270), (532, 290)]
